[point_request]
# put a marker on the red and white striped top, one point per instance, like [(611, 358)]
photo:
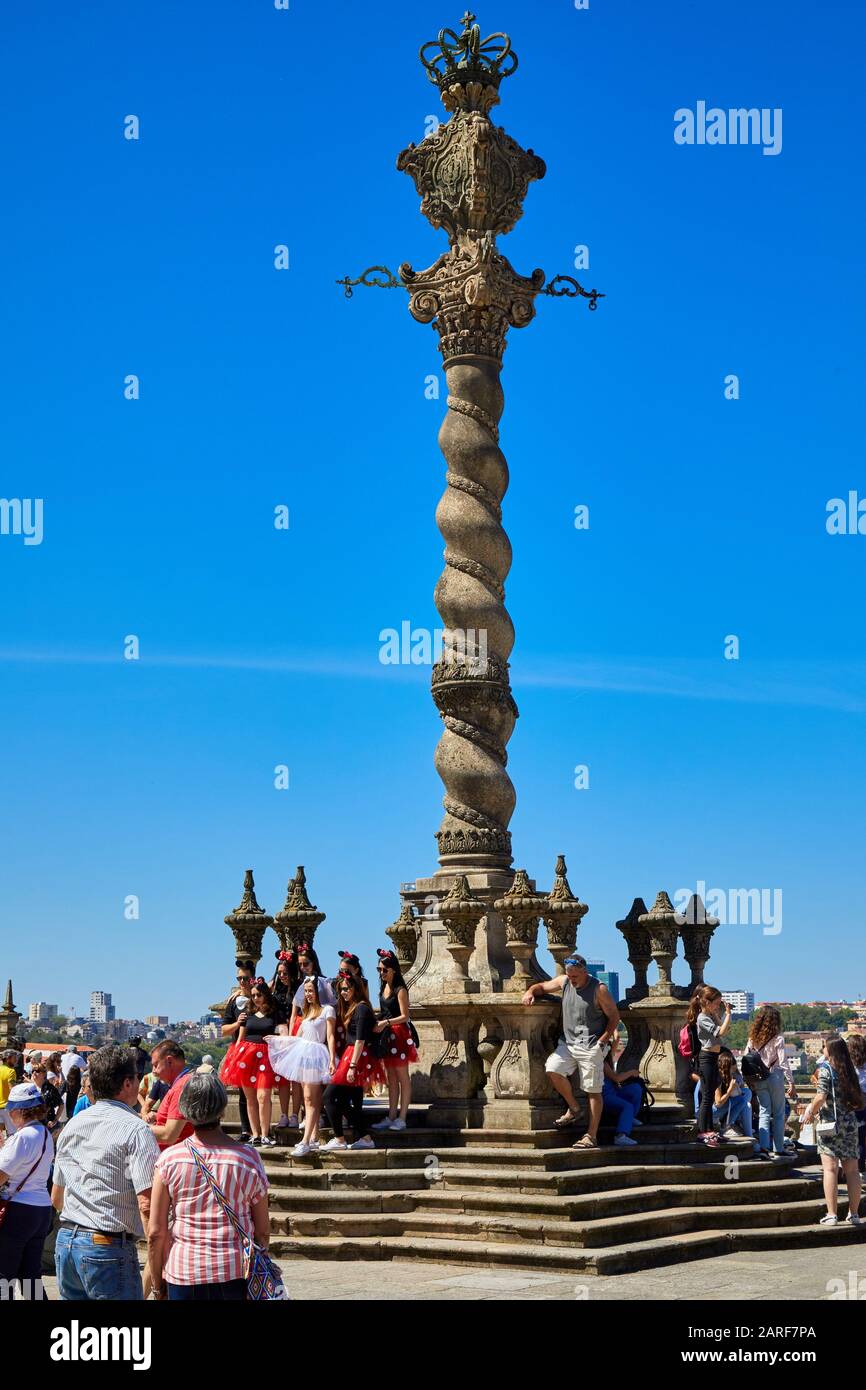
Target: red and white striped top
[(205, 1247)]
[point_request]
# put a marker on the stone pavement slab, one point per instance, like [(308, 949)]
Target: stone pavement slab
[(793, 1275)]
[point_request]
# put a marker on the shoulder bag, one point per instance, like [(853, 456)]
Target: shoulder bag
[(5, 1201), (263, 1276)]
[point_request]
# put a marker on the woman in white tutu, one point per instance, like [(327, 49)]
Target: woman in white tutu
[(309, 1059)]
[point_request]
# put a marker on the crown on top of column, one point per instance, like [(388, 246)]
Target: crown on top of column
[(466, 68)]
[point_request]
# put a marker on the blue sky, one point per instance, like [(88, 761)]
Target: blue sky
[(258, 388)]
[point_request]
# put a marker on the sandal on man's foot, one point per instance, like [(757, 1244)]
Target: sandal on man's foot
[(587, 1142), (567, 1119)]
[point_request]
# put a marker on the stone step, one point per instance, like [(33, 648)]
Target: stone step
[(315, 1174), (563, 1159), (588, 1206), (612, 1230), (648, 1254)]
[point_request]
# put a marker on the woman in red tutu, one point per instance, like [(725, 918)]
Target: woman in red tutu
[(247, 1064), (399, 1034), (356, 1069)]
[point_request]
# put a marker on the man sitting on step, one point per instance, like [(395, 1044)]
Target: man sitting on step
[(590, 1019)]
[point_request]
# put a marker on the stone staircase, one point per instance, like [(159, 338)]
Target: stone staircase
[(527, 1199)]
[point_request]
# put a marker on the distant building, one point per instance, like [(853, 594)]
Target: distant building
[(742, 1002), (211, 1032), (41, 1012), (156, 1020), (605, 977), (101, 1007)]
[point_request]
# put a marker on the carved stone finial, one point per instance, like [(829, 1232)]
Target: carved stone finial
[(662, 921), (696, 931), (461, 912), (563, 914), (404, 934), (248, 921), (9, 1019), (299, 919), (248, 905), (637, 940), (520, 909)]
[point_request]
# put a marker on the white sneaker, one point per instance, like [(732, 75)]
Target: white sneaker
[(292, 1122), (829, 1220), (853, 1220), (398, 1124), (332, 1145), (624, 1140), (301, 1150), (314, 1144), (282, 1122), (732, 1134), (383, 1124), (365, 1142)]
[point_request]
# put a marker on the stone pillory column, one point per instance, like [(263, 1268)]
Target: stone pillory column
[(476, 927)]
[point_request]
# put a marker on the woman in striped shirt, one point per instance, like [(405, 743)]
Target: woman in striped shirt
[(201, 1257)]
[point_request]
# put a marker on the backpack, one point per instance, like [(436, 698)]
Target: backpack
[(686, 1049), (753, 1067)]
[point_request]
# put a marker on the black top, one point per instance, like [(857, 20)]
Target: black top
[(157, 1089), (260, 1027), (361, 1024), (390, 1007), (283, 994), (231, 1012)]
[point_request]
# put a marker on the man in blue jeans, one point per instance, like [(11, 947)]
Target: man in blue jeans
[(103, 1174)]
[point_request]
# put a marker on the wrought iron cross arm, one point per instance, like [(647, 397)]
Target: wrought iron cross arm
[(369, 278), (552, 287)]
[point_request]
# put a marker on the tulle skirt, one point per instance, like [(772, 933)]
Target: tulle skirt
[(400, 1048), (368, 1072), (300, 1059), (247, 1064)]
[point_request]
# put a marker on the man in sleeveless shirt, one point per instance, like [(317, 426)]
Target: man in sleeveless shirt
[(590, 1019)]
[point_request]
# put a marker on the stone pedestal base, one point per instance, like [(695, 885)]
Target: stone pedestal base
[(653, 1026), (481, 1062)]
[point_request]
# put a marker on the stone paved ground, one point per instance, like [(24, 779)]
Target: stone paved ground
[(776, 1274)]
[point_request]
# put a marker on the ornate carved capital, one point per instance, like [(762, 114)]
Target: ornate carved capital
[(473, 295)]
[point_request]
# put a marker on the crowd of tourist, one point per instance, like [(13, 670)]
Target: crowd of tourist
[(127, 1147), (320, 1043)]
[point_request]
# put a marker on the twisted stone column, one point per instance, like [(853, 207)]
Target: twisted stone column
[(470, 684)]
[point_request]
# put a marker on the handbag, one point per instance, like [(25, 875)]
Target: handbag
[(827, 1129), (5, 1202), (263, 1276)]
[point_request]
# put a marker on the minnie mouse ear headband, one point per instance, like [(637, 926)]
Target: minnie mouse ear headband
[(284, 955), (387, 958), (348, 958), (304, 949), (243, 963)]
